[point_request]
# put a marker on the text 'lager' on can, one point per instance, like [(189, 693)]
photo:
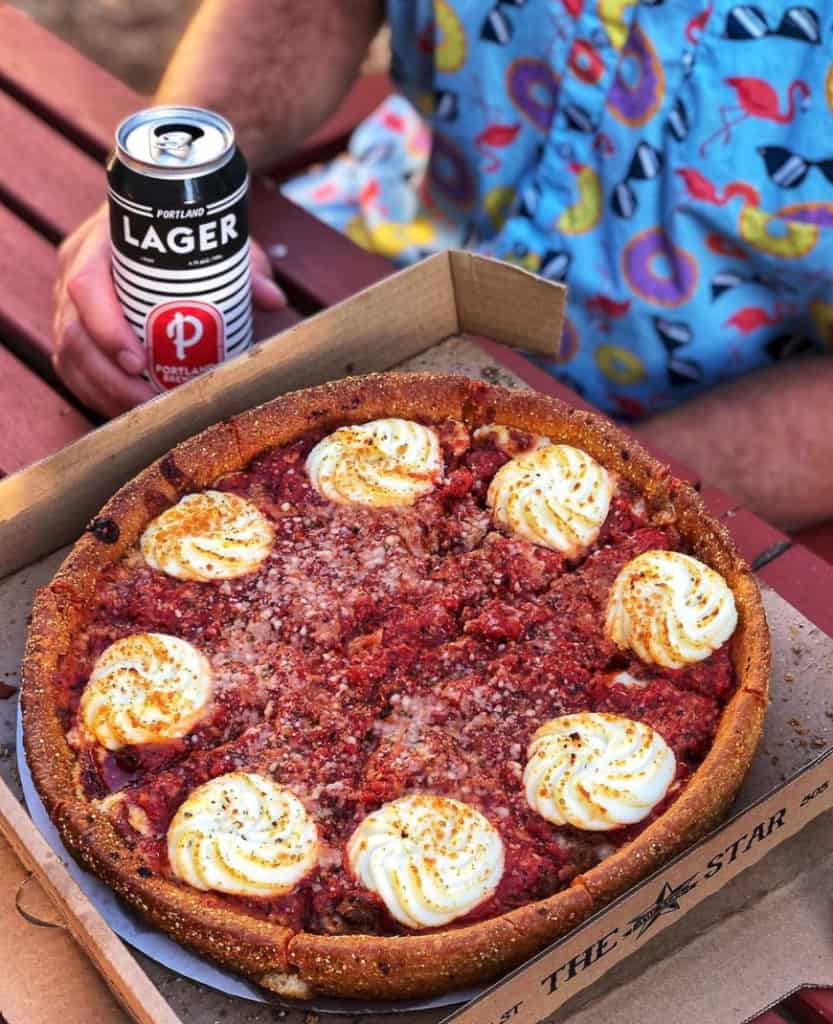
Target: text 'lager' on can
[(178, 190)]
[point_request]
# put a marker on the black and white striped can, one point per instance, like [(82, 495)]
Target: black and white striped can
[(179, 227)]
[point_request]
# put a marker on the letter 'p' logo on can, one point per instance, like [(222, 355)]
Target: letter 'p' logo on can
[(183, 338)]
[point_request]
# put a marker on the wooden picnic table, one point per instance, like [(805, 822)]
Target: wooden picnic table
[(57, 116)]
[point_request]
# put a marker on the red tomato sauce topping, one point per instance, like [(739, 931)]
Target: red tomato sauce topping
[(379, 652)]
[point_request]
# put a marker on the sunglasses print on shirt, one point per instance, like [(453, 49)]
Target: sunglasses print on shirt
[(788, 169), (746, 22)]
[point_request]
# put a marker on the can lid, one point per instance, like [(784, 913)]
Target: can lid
[(173, 142)]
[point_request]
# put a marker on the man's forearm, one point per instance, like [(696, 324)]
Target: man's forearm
[(276, 68), (766, 438)]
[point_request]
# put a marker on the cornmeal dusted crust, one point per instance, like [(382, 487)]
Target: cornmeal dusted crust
[(304, 964)]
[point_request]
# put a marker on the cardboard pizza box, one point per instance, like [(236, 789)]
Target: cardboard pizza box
[(722, 932), (62, 960)]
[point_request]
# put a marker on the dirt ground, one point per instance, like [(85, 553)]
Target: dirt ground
[(131, 38)]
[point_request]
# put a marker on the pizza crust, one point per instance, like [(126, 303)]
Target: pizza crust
[(371, 966)]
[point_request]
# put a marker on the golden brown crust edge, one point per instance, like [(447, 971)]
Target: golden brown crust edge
[(59, 606), (410, 966), (372, 966)]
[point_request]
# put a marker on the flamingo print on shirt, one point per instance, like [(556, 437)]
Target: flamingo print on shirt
[(756, 98), (671, 162), (750, 318)]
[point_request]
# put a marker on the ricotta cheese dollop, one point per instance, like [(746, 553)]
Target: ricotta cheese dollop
[(556, 496), (145, 688), (243, 834), (597, 771), (430, 859), (383, 463), (670, 609), (209, 535)]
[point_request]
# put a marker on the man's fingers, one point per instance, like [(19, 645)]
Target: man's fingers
[(260, 261), (92, 293), (92, 377), (265, 293), (97, 353), (85, 234), (71, 245)]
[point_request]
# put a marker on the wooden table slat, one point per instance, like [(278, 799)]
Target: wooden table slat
[(73, 94), (86, 102), (36, 420), (35, 170), (819, 539), (804, 580), (28, 264)]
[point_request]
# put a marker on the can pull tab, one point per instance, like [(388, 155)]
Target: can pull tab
[(173, 140)]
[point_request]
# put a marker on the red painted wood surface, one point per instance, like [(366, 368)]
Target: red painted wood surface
[(268, 324), (83, 111), (770, 1017), (321, 266), (755, 539), (806, 581), (37, 207), (28, 264), (43, 176), (36, 421), (812, 1006), (819, 539)]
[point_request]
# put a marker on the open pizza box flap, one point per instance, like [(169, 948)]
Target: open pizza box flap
[(663, 952), (447, 295)]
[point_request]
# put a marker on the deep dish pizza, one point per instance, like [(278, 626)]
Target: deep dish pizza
[(381, 687)]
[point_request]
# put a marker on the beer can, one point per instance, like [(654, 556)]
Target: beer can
[(180, 239)]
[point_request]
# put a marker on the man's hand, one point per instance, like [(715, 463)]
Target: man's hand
[(97, 353), (258, 52)]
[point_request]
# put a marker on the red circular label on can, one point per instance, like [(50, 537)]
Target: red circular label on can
[(183, 337)]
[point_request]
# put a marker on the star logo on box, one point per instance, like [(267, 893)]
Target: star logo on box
[(183, 339), (667, 902)]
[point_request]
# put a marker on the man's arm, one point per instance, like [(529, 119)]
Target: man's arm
[(276, 68), (766, 438)]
